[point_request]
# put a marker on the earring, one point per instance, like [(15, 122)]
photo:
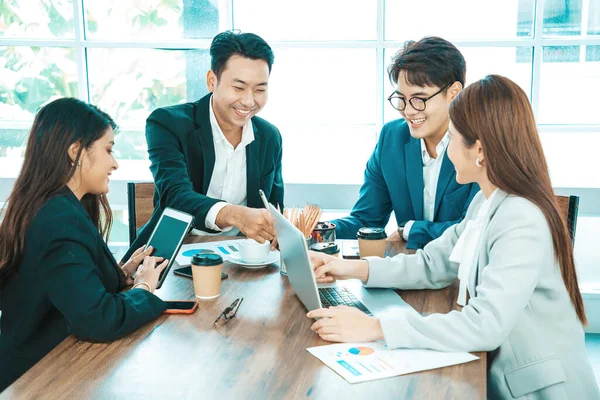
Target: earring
[(73, 163), (478, 162)]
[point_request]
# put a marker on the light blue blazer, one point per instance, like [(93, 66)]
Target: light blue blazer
[(519, 311)]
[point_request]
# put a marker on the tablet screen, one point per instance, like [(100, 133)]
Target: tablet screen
[(167, 236)]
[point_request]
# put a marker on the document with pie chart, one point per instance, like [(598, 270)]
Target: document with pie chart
[(360, 362)]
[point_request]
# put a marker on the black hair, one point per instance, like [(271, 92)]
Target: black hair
[(229, 43), (47, 168), (432, 61)]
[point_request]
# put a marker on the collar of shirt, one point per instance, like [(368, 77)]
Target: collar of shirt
[(439, 149), (465, 250), (483, 212), (218, 136)]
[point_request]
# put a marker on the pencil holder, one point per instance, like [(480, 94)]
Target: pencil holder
[(323, 232)]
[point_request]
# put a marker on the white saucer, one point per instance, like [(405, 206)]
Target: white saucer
[(235, 258)]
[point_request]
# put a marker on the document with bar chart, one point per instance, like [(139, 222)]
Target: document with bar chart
[(360, 362), (223, 248), (228, 249)]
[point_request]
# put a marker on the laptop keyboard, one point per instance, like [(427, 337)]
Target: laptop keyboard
[(340, 296)]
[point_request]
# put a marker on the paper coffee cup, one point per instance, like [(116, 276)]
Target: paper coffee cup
[(206, 273), (371, 242)]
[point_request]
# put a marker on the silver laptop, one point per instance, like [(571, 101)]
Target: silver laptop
[(300, 273)]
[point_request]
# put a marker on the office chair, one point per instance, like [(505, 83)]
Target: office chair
[(139, 205), (569, 208)]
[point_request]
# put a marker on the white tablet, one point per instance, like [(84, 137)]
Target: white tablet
[(168, 236)]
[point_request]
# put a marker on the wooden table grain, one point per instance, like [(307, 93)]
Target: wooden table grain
[(260, 354)]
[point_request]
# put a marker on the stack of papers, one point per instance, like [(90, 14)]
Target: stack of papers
[(360, 362)]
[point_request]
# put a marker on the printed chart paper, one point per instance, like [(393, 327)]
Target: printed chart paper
[(225, 249), (361, 362)]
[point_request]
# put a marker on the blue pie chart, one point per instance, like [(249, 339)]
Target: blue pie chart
[(361, 351), (193, 252)]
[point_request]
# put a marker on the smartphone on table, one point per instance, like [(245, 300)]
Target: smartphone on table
[(181, 307), (350, 250), (187, 272)]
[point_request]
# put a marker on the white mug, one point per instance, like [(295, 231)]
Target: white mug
[(253, 252)]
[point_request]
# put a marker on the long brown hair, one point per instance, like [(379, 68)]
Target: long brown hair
[(496, 111), (46, 170)]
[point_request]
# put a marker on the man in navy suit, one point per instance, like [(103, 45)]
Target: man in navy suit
[(409, 171), (209, 158)]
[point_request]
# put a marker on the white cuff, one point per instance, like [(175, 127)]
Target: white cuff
[(406, 230), (396, 328), (379, 270), (211, 217)]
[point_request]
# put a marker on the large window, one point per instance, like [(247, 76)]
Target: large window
[(329, 81), (328, 84)]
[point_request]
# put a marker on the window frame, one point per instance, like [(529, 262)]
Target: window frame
[(304, 192)]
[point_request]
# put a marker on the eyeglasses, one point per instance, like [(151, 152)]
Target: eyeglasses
[(418, 103), (230, 311)]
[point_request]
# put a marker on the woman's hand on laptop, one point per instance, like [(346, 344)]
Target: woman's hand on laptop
[(328, 269), (345, 324)]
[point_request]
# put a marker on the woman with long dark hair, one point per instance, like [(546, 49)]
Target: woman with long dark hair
[(57, 275), (512, 254)]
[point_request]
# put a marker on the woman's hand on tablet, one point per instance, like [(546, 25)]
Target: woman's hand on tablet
[(148, 273), (133, 263)]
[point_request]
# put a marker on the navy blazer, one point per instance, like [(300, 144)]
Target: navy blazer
[(394, 181), (182, 155), (68, 283)]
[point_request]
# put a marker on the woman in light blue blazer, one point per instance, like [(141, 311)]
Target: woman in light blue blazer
[(512, 254)]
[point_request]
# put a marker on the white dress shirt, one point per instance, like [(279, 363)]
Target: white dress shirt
[(229, 180), (431, 174), (465, 249)]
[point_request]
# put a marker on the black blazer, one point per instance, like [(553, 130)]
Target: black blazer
[(68, 283), (182, 155)]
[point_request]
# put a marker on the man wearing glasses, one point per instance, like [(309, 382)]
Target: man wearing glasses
[(409, 171)]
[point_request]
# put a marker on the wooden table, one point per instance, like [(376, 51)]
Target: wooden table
[(260, 354)]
